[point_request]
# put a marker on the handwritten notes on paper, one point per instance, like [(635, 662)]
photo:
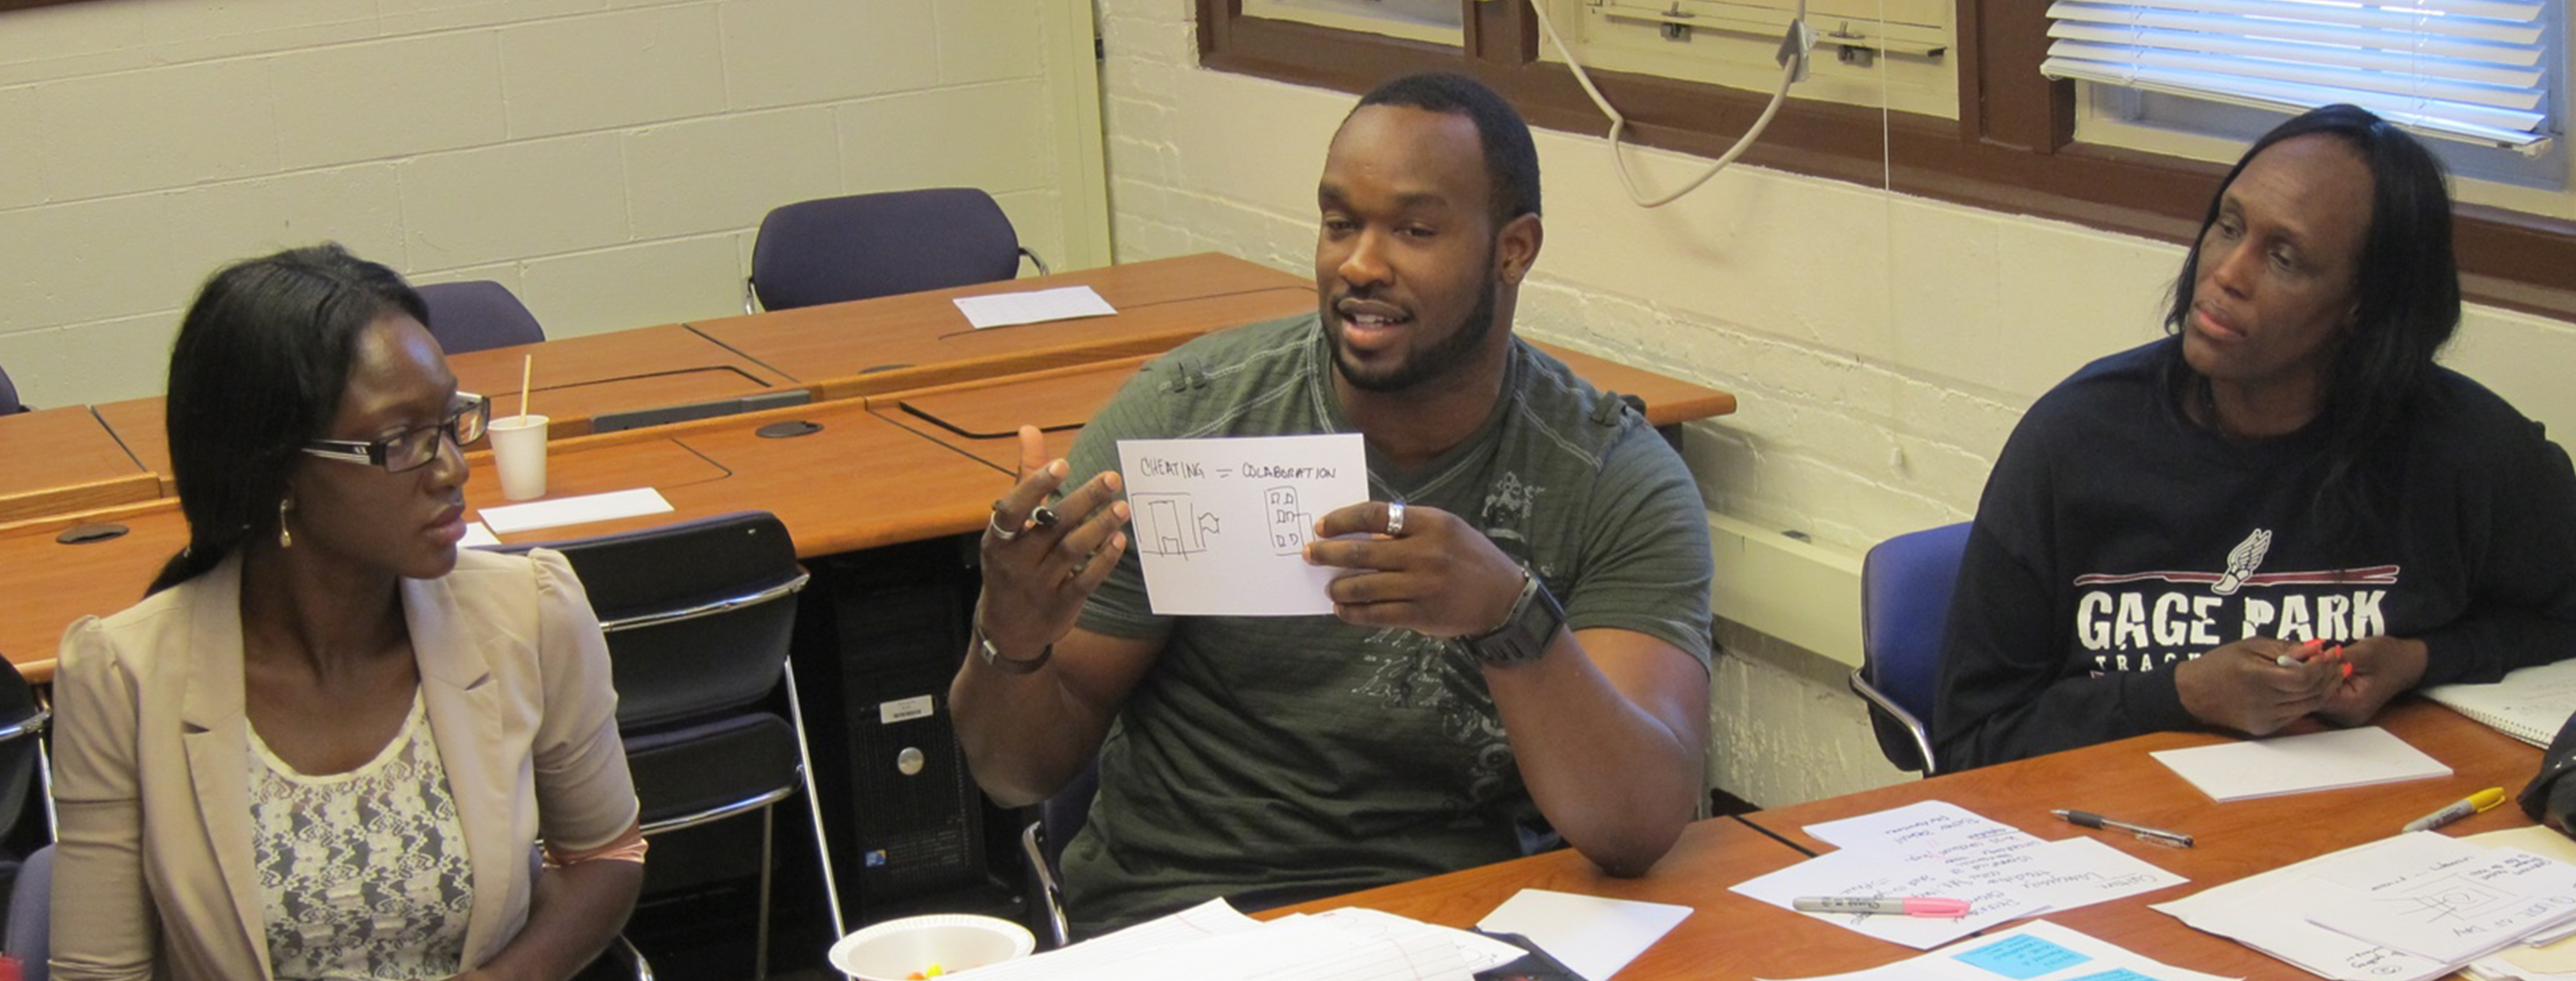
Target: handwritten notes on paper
[(2425, 902), (1222, 524), (1936, 848), (2297, 764), (2444, 899), (2034, 951)]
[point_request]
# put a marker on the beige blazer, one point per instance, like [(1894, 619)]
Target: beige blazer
[(154, 875)]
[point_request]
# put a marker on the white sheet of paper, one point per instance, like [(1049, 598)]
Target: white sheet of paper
[(1212, 942), (2298, 764), (1032, 307), (1478, 951), (1936, 848), (1922, 826), (2268, 912), (2444, 899), (1221, 524), (1590, 934), (2557, 957), (1882, 873), (2034, 951), (1209, 919), (574, 510), (477, 536)]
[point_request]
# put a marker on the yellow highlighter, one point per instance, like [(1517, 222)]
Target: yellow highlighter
[(2481, 801)]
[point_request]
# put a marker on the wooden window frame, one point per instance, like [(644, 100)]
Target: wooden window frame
[(2012, 149)]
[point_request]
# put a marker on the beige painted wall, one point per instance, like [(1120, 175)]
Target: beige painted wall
[(1882, 346), (606, 159)]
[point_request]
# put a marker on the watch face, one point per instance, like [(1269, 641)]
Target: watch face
[(1534, 621)]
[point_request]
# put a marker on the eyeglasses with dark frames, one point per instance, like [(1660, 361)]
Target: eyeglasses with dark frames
[(412, 448)]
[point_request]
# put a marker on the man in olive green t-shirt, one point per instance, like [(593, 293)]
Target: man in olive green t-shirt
[(1520, 654)]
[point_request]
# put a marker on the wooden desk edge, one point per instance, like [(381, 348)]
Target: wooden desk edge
[(996, 367), (86, 496)]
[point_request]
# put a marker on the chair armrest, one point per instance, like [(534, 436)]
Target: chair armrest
[(1880, 702)]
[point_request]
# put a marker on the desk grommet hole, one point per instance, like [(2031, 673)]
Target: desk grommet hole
[(84, 534), (789, 429)]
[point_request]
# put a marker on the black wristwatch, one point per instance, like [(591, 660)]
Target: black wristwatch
[(1525, 633)]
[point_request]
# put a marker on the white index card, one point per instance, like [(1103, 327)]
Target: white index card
[(1221, 525)]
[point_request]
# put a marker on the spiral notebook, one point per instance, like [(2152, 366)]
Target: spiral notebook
[(2530, 704)]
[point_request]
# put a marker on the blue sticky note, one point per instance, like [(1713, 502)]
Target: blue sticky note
[(2022, 958), (2120, 974)]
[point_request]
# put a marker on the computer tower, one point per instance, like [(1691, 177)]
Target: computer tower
[(880, 636)]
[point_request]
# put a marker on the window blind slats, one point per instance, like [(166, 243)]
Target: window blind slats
[(2472, 69), (2512, 84), (2202, 27), (2522, 28), (2479, 123)]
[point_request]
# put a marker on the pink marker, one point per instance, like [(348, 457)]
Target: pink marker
[(1924, 906)]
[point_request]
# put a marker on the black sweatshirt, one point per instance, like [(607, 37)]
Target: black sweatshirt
[(2117, 538)]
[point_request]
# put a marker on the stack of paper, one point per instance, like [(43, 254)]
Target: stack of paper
[(2406, 908), (2297, 764), (1939, 849), (2529, 704), (2555, 961), (1211, 941)]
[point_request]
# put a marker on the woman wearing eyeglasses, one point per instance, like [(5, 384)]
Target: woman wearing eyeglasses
[(325, 742)]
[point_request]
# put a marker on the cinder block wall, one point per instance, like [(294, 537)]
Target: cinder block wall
[(1882, 346), (605, 159)]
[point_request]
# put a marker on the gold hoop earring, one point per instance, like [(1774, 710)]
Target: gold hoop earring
[(285, 539)]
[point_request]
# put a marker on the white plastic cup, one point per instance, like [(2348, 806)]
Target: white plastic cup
[(519, 449)]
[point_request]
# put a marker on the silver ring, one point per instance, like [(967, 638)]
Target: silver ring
[(994, 525), (1394, 519), (1043, 517)]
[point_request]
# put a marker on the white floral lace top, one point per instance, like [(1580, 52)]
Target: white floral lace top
[(362, 874)]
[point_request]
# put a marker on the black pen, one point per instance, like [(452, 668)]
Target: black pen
[(2088, 819)]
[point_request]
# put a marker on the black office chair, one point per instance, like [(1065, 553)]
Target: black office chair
[(1905, 586), (478, 314), (831, 250), (698, 617), (22, 769)]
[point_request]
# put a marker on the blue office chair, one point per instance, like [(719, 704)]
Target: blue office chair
[(478, 314), (1042, 845), (832, 250), (1905, 586), (9, 404)]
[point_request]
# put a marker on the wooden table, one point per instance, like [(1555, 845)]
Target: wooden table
[(65, 459), (2233, 840), (573, 379), (1732, 936), (1727, 935), (916, 340), (859, 482), (983, 417), (867, 479)]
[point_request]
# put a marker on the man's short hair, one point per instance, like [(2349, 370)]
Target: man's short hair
[(1511, 160)]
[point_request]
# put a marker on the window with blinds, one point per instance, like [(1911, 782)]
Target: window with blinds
[(2473, 70)]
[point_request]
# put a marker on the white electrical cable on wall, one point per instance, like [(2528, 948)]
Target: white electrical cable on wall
[(1619, 123)]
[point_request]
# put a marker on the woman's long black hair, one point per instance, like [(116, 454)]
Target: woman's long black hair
[(2406, 290), (258, 369)]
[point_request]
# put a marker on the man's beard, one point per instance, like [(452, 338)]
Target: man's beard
[(1451, 355)]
